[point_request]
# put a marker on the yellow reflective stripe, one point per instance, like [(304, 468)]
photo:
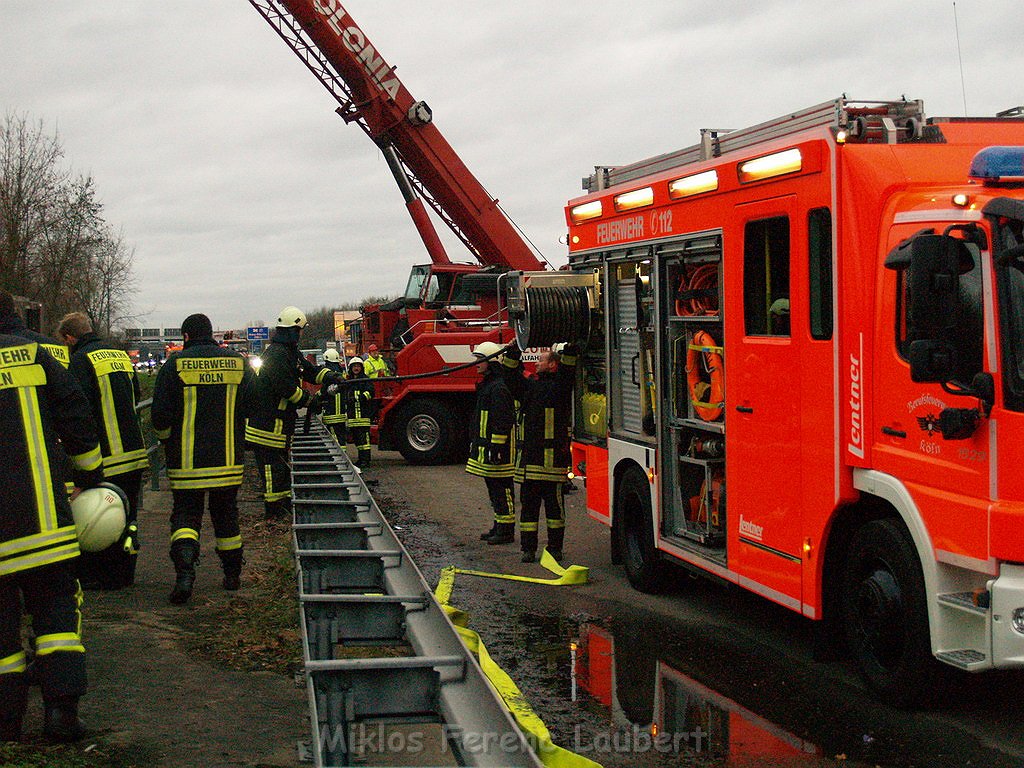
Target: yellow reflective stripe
[(277, 496), (38, 541), (115, 459), (38, 559), (296, 396), (120, 469), (57, 642), (263, 437), (58, 352), (89, 460), (188, 425), (497, 439), (549, 457), (528, 527), (13, 663), (233, 469), (213, 482), (22, 376), (109, 415), (79, 600), (549, 423), (232, 542), (187, 534), (229, 422), (108, 361), (38, 459), (320, 376), (483, 423)]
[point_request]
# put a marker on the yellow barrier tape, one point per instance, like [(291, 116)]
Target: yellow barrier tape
[(551, 755)]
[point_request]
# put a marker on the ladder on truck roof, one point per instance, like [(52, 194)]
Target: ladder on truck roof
[(715, 142)]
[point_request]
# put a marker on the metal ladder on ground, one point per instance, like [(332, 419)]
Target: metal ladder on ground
[(388, 679)]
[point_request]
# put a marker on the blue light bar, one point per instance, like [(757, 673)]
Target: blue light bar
[(998, 164)]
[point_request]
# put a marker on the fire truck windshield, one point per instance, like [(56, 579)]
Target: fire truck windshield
[(419, 275), (1009, 257)]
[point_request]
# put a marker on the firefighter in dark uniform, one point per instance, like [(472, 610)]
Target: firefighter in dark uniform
[(542, 456), (40, 403), (11, 323), (108, 378), (202, 395), (490, 452), (358, 396), (279, 394), (335, 410)]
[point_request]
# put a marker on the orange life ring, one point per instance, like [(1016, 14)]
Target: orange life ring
[(706, 394)]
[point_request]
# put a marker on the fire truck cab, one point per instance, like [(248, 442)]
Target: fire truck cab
[(806, 376)]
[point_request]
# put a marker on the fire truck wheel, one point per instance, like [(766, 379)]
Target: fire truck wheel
[(634, 530), (885, 618), (425, 432)]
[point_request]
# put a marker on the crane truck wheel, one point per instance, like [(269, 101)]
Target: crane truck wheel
[(426, 432), (635, 532), (885, 616)]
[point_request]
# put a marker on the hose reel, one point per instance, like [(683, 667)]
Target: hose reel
[(553, 314)]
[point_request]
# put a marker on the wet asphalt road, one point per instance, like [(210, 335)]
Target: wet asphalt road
[(721, 676)]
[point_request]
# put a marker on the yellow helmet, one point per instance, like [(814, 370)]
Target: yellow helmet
[(100, 515), (486, 349), (291, 317), (332, 356), (355, 361)]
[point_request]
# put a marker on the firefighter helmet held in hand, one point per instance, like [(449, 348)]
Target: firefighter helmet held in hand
[(100, 516), (291, 317), (332, 356), (486, 349)]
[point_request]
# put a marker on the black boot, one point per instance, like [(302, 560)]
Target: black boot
[(504, 533), (363, 458), (231, 561), (10, 720), (60, 720), (488, 534), (184, 554), (278, 510)]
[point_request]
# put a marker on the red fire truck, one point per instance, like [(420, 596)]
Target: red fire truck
[(805, 375), (447, 308)]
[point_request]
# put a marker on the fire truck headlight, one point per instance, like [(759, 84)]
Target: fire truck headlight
[(1018, 620)]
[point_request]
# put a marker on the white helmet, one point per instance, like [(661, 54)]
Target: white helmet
[(291, 317), (354, 361), (332, 356), (486, 349), (100, 516)]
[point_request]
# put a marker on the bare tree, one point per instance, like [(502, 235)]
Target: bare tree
[(104, 290)]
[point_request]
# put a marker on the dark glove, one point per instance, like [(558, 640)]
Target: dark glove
[(496, 454), (513, 352), (572, 349)]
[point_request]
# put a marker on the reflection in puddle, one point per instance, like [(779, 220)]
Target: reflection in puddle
[(653, 706)]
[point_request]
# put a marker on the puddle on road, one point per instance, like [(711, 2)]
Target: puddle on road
[(647, 706)]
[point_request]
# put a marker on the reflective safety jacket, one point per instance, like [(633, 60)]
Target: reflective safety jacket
[(13, 325), (107, 377), (545, 424), (375, 367), (201, 399), (279, 393), (40, 403), (335, 411), (490, 453), (358, 396)]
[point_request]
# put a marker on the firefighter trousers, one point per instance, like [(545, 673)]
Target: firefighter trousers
[(361, 440), (275, 480), (501, 491), (53, 598), (531, 494), (113, 567), (187, 516)]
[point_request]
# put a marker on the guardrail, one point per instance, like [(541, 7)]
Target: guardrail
[(385, 670)]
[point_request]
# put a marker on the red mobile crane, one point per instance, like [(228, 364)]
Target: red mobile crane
[(447, 308)]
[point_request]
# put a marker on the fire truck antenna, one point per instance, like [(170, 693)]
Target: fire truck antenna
[(960, 57)]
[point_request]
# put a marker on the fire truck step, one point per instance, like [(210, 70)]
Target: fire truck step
[(966, 601), (966, 659)]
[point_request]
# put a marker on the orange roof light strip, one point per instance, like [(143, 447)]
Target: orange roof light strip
[(777, 164), (586, 211), (638, 198), (693, 184)]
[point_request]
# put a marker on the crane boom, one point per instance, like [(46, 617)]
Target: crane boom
[(338, 53)]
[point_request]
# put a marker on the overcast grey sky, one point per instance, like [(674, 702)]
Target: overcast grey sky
[(220, 157)]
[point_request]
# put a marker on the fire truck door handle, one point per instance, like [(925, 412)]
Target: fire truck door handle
[(744, 409), (893, 432), (632, 364)]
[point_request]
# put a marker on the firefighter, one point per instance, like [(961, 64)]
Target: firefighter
[(335, 409), (40, 403), (278, 395), (359, 404), (11, 323), (375, 365), (542, 453), (202, 395), (108, 378), (490, 453)]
